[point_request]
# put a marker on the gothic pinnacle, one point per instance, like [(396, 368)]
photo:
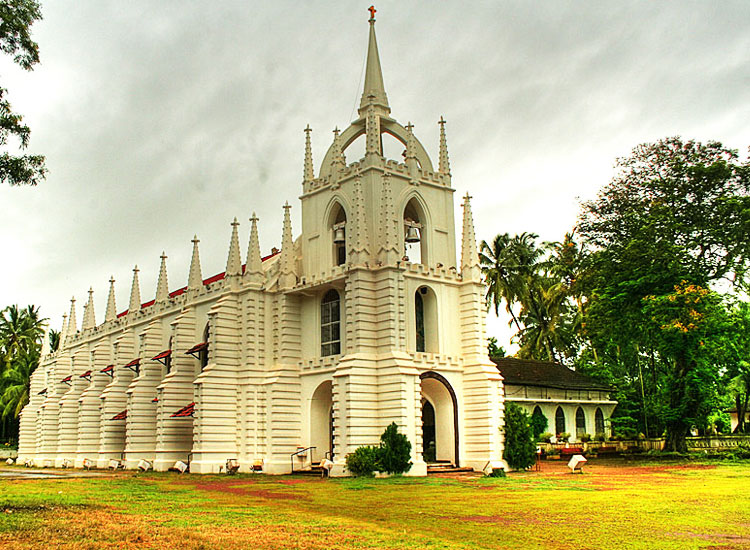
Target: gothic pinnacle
[(135, 294), (72, 324), (254, 260), (195, 280), (309, 172), (162, 286), (444, 165), (89, 316), (63, 331), (469, 254), (111, 313), (234, 260), (288, 278)]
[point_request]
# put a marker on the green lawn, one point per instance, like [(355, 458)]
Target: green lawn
[(613, 505)]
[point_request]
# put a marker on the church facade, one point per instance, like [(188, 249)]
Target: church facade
[(367, 318)]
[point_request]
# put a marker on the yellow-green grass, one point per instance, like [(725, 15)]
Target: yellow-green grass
[(613, 505)]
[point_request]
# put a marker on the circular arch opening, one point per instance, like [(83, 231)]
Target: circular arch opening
[(321, 420), (440, 418)]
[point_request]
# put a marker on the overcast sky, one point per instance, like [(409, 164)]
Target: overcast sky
[(161, 120)]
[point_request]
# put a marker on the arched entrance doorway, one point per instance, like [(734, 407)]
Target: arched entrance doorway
[(439, 419), (321, 421)]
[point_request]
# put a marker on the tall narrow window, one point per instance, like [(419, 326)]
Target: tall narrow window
[(330, 324), (204, 351), (419, 316), (168, 358), (559, 421), (599, 421), (580, 422)]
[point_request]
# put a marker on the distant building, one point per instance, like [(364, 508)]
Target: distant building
[(367, 318), (570, 401)]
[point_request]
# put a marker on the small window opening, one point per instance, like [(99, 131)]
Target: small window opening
[(204, 352), (559, 421)]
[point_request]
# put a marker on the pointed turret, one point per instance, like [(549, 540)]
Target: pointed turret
[(162, 285), (135, 294), (254, 267), (309, 171), (45, 344), (63, 331), (390, 247), (360, 243), (338, 160), (373, 92), (444, 165), (234, 259), (469, 254), (89, 316), (288, 277), (111, 313), (195, 279), (72, 323)]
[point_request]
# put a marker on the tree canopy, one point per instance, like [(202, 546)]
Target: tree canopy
[(16, 19)]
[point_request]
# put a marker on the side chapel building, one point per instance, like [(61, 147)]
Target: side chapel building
[(363, 320)]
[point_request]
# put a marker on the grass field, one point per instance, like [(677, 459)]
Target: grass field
[(615, 504)]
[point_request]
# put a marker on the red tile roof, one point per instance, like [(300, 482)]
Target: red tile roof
[(66, 379), (185, 411), (121, 416), (542, 373), (213, 279), (162, 355), (86, 374), (133, 363), (197, 347), (108, 368)]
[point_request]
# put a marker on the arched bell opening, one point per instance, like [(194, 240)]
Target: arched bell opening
[(321, 421), (337, 234), (416, 232), (439, 419), (426, 320)]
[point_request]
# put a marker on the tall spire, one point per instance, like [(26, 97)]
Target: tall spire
[(469, 254), (89, 317), (234, 259), (288, 278), (254, 263), (309, 171), (444, 165), (72, 324), (162, 286), (195, 279), (111, 313), (374, 90), (135, 294)]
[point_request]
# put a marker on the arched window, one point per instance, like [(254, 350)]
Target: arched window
[(330, 324), (599, 421), (580, 422), (204, 351), (559, 421), (538, 422), (425, 320)]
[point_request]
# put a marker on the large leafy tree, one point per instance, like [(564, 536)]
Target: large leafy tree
[(16, 18), (674, 219)]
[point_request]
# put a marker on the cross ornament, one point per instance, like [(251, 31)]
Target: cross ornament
[(372, 11)]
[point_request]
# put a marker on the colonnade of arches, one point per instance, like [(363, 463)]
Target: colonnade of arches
[(581, 426)]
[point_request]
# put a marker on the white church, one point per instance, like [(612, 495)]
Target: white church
[(366, 318)]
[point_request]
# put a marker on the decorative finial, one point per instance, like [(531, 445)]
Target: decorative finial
[(444, 165), (372, 11)]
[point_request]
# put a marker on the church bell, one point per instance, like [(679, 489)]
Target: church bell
[(339, 237), (412, 234)]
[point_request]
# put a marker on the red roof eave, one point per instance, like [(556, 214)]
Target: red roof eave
[(162, 355)]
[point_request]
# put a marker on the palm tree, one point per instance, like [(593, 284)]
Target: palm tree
[(20, 329), (15, 383), (546, 334), (507, 266)]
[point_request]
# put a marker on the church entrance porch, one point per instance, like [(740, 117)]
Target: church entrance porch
[(439, 420)]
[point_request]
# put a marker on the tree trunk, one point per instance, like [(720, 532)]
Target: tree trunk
[(677, 427), (676, 441)]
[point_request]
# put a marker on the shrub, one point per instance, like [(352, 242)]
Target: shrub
[(363, 461), (545, 437), (586, 438), (520, 449), (394, 452), (599, 437), (538, 423), (564, 437)]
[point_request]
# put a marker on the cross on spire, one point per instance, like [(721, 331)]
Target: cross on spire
[(372, 11)]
